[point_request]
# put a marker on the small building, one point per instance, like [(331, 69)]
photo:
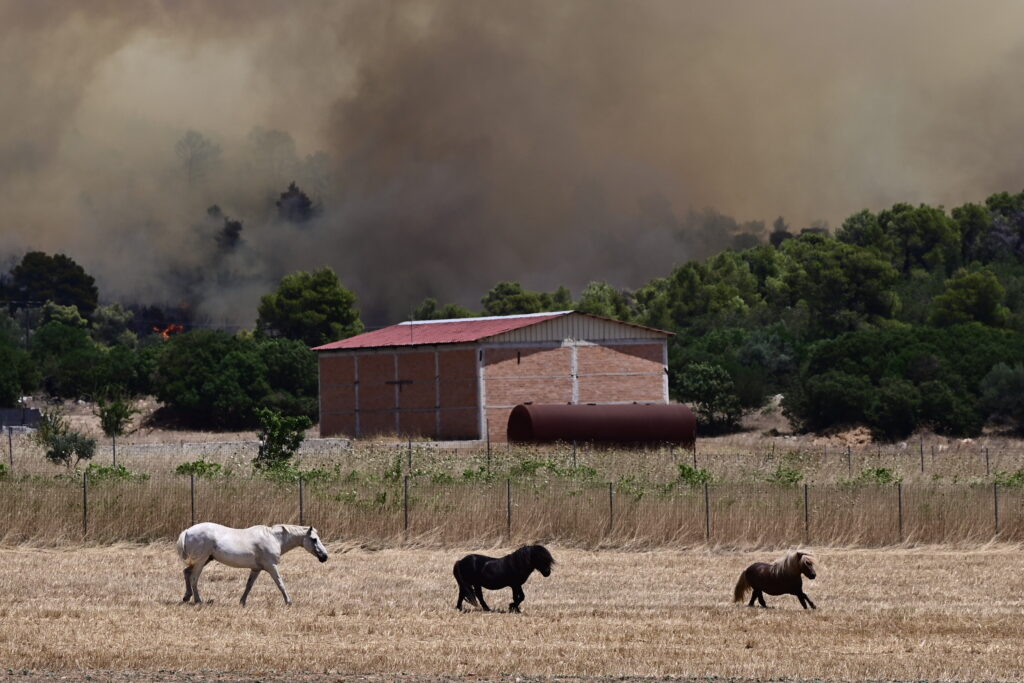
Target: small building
[(461, 378)]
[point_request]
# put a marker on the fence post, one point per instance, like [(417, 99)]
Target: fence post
[(694, 455), (192, 495), (10, 446), (922, 454), (807, 515), (302, 502), (508, 508), (410, 455), (899, 503), (113, 449), (849, 463), (405, 505), (988, 471), (574, 454), (611, 506), (707, 513), (995, 504), (85, 503)]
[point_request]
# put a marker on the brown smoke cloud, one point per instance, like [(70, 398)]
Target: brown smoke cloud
[(450, 145)]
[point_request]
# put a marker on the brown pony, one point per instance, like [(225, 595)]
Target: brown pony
[(782, 577)]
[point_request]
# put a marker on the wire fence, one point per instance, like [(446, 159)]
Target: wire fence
[(411, 509)]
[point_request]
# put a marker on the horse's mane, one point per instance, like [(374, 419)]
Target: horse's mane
[(535, 556), (790, 564)]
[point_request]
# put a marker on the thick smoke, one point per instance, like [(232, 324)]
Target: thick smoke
[(449, 145)]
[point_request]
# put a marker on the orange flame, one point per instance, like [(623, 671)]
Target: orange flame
[(166, 332)]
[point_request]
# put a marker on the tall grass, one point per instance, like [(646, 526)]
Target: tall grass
[(571, 495)]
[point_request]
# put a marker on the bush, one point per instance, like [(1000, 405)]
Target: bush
[(1002, 394), (61, 444), (878, 476), (202, 469), (99, 473), (280, 437), (693, 476), (892, 414), (786, 476)]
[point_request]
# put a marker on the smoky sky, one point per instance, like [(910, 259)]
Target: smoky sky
[(451, 145)]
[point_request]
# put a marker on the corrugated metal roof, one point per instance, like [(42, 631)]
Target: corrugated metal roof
[(453, 331)]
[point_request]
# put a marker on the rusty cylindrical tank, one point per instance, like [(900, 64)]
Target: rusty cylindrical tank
[(631, 423)]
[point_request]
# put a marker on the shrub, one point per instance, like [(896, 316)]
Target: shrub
[(878, 475), (692, 476), (99, 473), (202, 469), (892, 414), (786, 476), (280, 437)]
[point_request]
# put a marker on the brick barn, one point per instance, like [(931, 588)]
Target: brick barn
[(456, 379)]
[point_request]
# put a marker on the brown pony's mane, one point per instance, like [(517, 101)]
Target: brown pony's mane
[(792, 563)]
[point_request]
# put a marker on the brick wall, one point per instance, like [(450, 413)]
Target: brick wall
[(416, 393), (614, 373)]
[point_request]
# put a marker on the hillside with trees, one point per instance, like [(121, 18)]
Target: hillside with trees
[(906, 319)]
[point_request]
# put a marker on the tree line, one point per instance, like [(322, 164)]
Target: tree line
[(908, 318)]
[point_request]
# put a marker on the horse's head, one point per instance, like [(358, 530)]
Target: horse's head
[(541, 559), (807, 565), (311, 542)]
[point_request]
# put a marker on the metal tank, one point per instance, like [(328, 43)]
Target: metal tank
[(620, 424)]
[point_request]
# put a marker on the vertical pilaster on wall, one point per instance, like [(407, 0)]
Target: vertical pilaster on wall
[(481, 392), (574, 370), (398, 395), (664, 363), (437, 393), (355, 375)]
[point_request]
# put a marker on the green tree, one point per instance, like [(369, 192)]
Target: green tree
[(67, 360), (429, 310), (509, 298), (207, 378), (65, 315), (61, 444), (600, 298), (893, 411), (41, 277), (840, 284), (291, 377), (1002, 394), (971, 295), (115, 417), (111, 325), (711, 391), (923, 237), (313, 307), (279, 437)]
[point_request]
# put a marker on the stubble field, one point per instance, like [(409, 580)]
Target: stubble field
[(113, 612)]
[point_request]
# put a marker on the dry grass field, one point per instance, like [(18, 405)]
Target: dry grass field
[(113, 612)]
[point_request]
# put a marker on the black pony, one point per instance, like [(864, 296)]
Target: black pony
[(474, 572)]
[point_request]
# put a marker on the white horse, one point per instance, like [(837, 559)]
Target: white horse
[(258, 548)]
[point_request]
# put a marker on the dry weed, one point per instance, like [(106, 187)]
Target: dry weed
[(925, 613)]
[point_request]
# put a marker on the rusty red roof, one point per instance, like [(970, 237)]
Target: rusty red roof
[(454, 331)]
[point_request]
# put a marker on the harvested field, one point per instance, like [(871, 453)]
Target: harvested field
[(935, 613)]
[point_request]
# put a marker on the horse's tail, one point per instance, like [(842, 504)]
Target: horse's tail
[(464, 588), (182, 553), (742, 586)]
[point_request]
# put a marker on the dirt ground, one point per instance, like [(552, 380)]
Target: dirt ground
[(114, 613)]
